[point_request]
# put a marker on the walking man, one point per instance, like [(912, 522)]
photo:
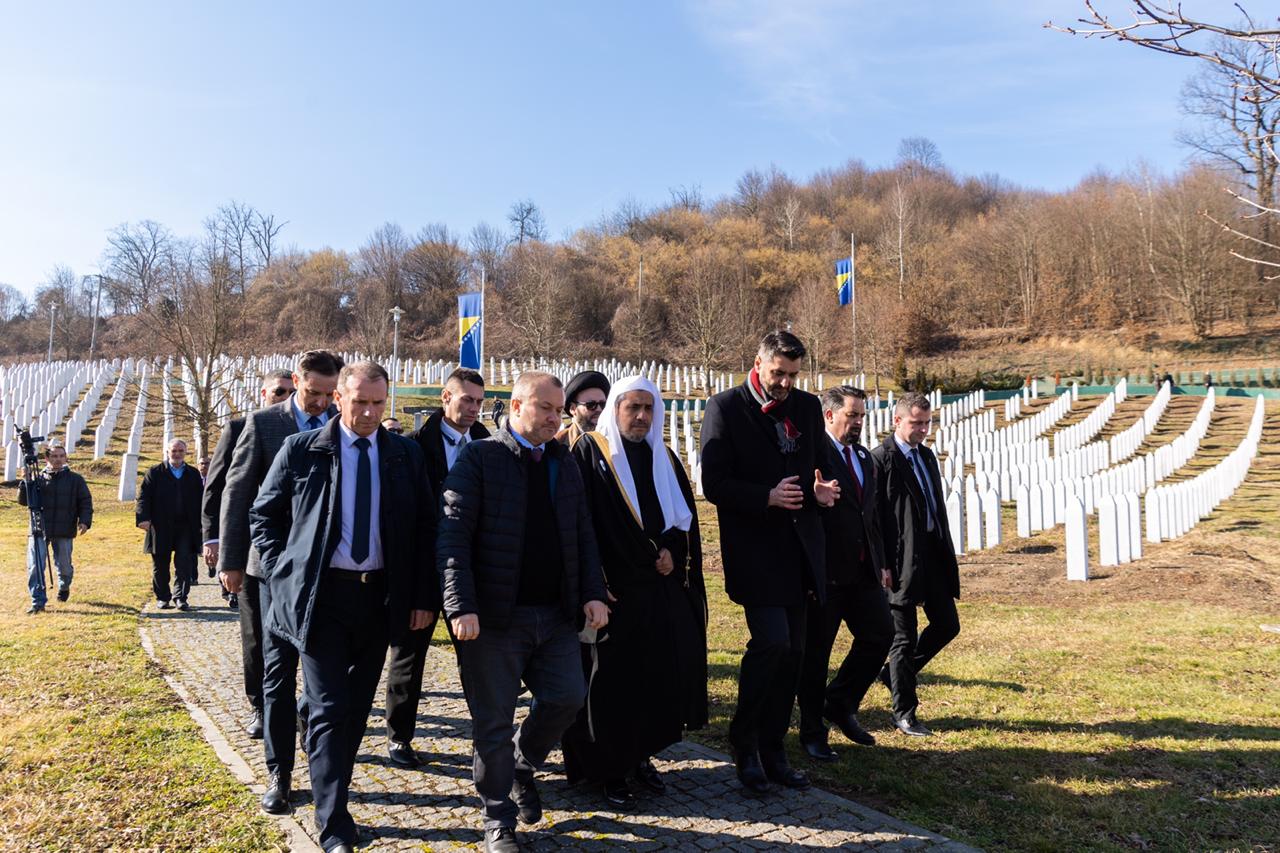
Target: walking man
[(518, 563), (66, 511), (168, 509)]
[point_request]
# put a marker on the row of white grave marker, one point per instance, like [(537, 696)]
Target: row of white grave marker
[(1170, 511)]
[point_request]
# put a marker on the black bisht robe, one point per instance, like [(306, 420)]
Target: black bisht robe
[(651, 667)]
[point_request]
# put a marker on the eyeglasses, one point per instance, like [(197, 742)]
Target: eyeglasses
[(396, 430), (593, 406), (279, 392)]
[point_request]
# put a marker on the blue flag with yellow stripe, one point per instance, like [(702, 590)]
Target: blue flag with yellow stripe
[(470, 329), (844, 280)]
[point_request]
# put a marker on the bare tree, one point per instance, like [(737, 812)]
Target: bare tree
[(134, 257), (537, 301), (488, 245), (12, 303), (787, 219), (526, 222), (750, 193), (895, 234), (435, 270), (687, 197), (263, 230), (702, 305), (918, 155)]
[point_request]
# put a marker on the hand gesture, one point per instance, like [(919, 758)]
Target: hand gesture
[(825, 492), (664, 563), (787, 494), (597, 614), (465, 627)]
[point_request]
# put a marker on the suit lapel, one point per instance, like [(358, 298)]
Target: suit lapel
[(908, 474)]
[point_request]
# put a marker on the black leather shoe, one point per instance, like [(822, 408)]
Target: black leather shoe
[(276, 798), (343, 847), (34, 609), (850, 727), (750, 772), (911, 726), (254, 726), (649, 777), (501, 840), (233, 601), (778, 771), (618, 795), (64, 593), (402, 754), (819, 750), (529, 803)]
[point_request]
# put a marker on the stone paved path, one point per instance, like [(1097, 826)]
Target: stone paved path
[(435, 808)]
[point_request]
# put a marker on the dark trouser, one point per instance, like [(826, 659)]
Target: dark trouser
[(767, 678), (346, 646), (183, 556), (251, 609), (865, 610), (279, 687), (540, 646), (910, 652), (404, 683)]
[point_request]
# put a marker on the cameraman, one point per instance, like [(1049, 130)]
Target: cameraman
[(67, 508)]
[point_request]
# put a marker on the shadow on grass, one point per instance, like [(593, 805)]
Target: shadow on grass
[(1162, 727), (104, 608)]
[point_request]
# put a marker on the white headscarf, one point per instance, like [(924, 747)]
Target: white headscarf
[(675, 512)]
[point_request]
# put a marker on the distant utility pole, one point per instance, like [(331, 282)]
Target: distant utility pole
[(53, 312), (395, 354), (97, 302)]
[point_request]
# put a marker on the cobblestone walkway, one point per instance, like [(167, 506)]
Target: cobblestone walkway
[(435, 807)]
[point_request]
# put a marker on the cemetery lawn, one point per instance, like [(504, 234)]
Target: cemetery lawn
[(96, 751)]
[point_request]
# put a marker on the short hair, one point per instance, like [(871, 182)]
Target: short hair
[(783, 343), (174, 441), (278, 373), (465, 374), (362, 370), (318, 361), (833, 398), (529, 380), (911, 400), (54, 444)]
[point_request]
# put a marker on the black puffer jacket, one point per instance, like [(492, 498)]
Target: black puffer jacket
[(65, 500), (481, 534)]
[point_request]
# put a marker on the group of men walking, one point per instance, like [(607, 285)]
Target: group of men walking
[(565, 561)]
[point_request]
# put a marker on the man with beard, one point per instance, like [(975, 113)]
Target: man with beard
[(856, 581), (648, 674), (763, 455), (584, 401)]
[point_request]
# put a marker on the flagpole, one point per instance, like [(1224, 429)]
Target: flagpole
[(853, 301), (481, 348)]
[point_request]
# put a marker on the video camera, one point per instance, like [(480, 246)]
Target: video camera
[(28, 443)]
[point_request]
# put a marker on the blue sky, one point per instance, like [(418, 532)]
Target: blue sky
[(339, 116)]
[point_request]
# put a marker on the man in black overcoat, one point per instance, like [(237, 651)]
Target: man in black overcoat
[(168, 509), (763, 461), (914, 523), (856, 581), (441, 438)]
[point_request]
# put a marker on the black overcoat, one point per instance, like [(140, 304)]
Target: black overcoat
[(771, 555), (158, 500), (903, 523), (429, 438)]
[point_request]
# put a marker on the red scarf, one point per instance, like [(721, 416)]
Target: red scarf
[(788, 435)]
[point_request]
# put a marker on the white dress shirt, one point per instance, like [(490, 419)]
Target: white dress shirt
[(453, 443), (350, 459)]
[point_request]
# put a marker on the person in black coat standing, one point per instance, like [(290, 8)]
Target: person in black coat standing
[(856, 581), (168, 509), (763, 460), (344, 525), (914, 523), (441, 438)]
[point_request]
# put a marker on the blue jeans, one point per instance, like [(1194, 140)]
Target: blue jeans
[(541, 646), (35, 570)]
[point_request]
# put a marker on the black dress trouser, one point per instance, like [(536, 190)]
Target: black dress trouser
[(911, 648), (405, 664), (767, 678), (251, 601), (865, 610), (183, 555)]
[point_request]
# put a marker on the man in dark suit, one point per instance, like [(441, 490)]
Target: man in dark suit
[(345, 525), (519, 568), (763, 451), (168, 509), (914, 523), (276, 386), (856, 581), (270, 666), (441, 438)]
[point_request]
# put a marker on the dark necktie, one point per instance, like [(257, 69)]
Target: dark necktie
[(364, 500), (926, 485), (313, 422), (853, 472), (536, 453)]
